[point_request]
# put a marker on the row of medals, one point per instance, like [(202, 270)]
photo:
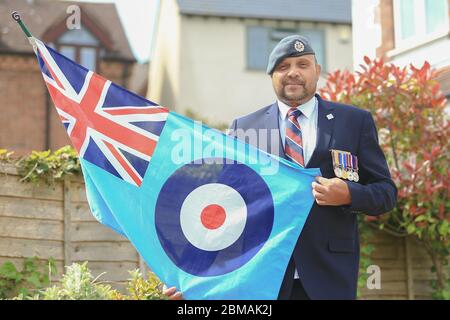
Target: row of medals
[(340, 170)]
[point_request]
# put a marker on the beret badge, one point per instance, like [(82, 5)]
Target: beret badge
[(299, 46)]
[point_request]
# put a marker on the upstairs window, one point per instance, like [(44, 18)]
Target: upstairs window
[(418, 20), (81, 46)]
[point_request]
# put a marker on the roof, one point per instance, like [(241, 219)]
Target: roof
[(332, 11), (41, 15)]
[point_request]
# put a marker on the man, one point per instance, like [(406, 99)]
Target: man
[(340, 140)]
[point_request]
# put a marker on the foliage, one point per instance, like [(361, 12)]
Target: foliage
[(414, 131), (49, 166), (6, 156), (78, 283), (33, 276), (143, 289)]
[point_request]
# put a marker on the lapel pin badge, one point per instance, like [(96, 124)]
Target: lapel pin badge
[(330, 116)]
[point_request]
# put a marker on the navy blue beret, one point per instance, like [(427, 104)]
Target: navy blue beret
[(291, 46)]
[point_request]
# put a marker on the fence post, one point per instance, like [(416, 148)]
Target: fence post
[(409, 270), (142, 267), (67, 221)]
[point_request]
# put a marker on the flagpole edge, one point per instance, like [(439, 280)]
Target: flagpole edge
[(16, 17)]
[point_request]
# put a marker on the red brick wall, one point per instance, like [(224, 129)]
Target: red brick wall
[(22, 104), (387, 27)]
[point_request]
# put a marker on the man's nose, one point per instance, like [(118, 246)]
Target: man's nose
[(293, 73)]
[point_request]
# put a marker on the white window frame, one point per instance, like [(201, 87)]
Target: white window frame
[(421, 37)]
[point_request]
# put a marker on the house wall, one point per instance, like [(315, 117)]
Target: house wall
[(164, 79), (210, 74)]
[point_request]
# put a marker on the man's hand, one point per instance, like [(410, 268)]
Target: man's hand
[(331, 192), (172, 293)]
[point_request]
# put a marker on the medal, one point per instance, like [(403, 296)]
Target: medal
[(355, 168), (345, 165), (349, 166), (338, 172), (350, 175), (336, 163), (344, 174)]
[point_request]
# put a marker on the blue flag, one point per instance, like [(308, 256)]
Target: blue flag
[(210, 215)]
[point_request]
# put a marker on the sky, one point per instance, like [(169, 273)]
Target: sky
[(138, 18)]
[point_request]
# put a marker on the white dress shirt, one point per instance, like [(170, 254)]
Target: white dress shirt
[(308, 124)]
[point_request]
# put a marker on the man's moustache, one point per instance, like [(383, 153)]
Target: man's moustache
[(294, 83)]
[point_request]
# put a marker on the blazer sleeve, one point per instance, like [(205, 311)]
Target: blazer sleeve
[(376, 193)]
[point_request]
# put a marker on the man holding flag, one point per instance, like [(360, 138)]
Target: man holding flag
[(342, 141), (211, 215)]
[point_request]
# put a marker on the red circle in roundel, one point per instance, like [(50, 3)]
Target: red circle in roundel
[(213, 216)]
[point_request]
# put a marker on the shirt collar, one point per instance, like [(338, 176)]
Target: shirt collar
[(307, 108)]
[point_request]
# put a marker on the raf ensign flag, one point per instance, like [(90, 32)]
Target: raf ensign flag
[(212, 216)]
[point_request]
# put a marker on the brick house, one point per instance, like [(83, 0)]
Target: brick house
[(28, 120)]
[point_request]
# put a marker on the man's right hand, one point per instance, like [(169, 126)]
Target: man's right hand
[(172, 293)]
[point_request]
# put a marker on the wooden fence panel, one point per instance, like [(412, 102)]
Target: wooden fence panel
[(56, 222)]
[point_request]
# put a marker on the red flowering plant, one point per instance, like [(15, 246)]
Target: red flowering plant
[(413, 126)]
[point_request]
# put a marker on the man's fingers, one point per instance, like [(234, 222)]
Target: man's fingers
[(323, 181), (177, 296), (319, 188), (318, 196), (169, 291)]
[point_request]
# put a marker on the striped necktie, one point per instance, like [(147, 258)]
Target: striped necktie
[(293, 145)]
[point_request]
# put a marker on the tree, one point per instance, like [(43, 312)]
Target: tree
[(414, 132)]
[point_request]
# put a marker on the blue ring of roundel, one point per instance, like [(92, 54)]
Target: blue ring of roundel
[(260, 216)]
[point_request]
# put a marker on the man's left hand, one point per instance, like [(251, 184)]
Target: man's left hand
[(331, 192)]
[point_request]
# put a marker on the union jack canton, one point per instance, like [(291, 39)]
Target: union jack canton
[(109, 126)]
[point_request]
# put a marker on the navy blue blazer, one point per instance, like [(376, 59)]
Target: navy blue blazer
[(327, 252)]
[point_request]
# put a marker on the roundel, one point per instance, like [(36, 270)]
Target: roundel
[(213, 217)]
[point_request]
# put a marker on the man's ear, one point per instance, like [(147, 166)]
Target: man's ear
[(318, 70)]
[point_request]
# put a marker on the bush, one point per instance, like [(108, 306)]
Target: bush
[(414, 129), (33, 276), (78, 283)]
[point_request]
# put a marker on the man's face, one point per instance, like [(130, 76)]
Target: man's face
[(294, 79)]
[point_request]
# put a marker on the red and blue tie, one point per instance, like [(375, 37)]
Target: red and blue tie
[(293, 145)]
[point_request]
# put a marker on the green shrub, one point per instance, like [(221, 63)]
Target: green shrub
[(33, 276), (78, 283)]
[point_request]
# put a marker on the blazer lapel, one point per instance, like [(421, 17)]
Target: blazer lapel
[(271, 123), (325, 126)]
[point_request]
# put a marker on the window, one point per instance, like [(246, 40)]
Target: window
[(261, 41), (81, 46), (416, 20)]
